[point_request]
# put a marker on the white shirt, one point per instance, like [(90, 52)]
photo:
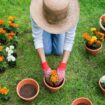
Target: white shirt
[(37, 33)]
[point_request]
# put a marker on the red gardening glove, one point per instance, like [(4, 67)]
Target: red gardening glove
[(46, 69), (61, 71)]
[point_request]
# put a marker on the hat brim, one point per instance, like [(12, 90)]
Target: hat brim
[(36, 11)]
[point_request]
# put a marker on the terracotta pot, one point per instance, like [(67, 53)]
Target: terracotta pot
[(93, 51), (31, 82), (100, 23), (53, 89), (82, 100), (103, 90)]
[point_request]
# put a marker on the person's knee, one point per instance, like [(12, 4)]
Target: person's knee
[(48, 52), (58, 53)]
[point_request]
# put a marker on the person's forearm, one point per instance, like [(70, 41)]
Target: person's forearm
[(66, 55), (41, 54)]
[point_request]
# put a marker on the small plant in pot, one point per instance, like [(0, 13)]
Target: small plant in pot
[(52, 82), (11, 56), (2, 64), (102, 84), (102, 22), (4, 93), (28, 89), (93, 42)]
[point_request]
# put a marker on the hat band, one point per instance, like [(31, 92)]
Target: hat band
[(54, 17)]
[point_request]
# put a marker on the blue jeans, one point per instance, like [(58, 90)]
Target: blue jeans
[(53, 44)]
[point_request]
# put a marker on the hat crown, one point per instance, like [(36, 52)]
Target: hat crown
[(56, 5), (55, 11)]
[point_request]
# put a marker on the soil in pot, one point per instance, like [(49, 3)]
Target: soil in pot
[(54, 85), (91, 47), (81, 104), (27, 91), (2, 70)]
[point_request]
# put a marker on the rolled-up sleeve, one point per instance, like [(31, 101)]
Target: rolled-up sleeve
[(37, 33), (69, 39)]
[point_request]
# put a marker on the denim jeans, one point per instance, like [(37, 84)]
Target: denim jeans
[(53, 44)]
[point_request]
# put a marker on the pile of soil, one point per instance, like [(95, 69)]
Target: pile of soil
[(27, 91)]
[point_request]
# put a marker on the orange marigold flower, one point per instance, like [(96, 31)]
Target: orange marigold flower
[(54, 72), (54, 79), (90, 43), (98, 42), (11, 18), (4, 91), (86, 36), (13, 25), (11, 35), (2, 31), (1, 58), (103, 18), (1, 48), (1, 22)]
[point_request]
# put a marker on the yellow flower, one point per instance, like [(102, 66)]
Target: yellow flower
[(93, 39), (11, 18), (93, 29)]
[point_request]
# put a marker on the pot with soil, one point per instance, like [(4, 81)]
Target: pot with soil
[(28, 89), (102, 22), (82, 101), (93, 50), (55, 87), (102, 84)]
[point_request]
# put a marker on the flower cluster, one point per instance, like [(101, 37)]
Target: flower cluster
[(94, 40), (4, 93), (8, 37), (53, 79), (10, 51)]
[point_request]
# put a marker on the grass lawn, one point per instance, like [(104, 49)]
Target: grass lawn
[(83, 70)]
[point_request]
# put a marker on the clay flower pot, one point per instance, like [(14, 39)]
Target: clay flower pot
[(28, 89), (93, 51), (103, 90), (82, 101), (53, 89), (100, 23)]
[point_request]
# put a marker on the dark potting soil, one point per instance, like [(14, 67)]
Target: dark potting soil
[(27, 91), (81, 104), (91, 47), (54, 84)]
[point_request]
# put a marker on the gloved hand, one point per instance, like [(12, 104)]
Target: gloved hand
[(61, 71), (46, 69)]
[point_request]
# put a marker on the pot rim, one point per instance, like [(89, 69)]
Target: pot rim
[(82, 98), (100, 22), (101, 86), (31, 98), (53, 87), (94, 49)]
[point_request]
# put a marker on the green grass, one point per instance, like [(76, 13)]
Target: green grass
[(83, 70)]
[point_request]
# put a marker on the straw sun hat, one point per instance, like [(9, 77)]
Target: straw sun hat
[(55, 16)]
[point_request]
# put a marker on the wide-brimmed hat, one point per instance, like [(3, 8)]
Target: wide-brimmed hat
[(55, 16)]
